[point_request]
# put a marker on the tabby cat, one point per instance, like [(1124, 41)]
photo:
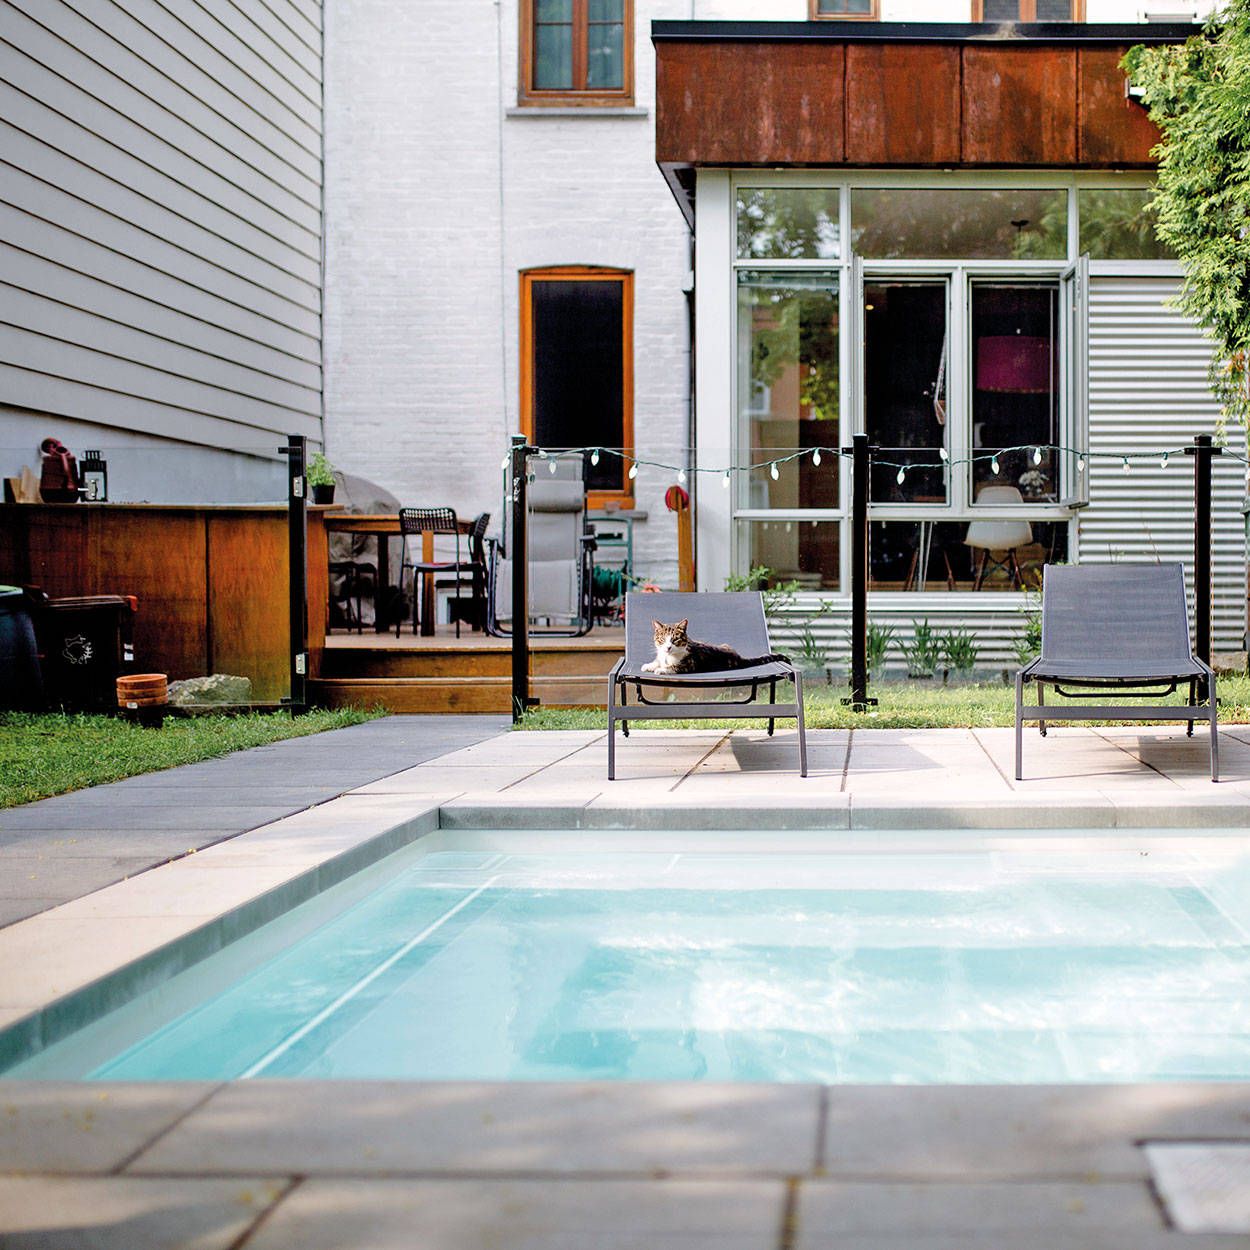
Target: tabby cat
[(677, 652)]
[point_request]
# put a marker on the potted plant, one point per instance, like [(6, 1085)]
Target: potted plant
[(320, 475)]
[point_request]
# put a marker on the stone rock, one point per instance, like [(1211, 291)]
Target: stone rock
[(1229, 662), (219, 688)]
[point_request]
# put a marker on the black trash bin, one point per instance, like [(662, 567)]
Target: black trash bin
[(85, 644), (21, 680)]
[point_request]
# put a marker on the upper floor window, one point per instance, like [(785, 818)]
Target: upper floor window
[(863, 10), (577, 52), (1028, 10)]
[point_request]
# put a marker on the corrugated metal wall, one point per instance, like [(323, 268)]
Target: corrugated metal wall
[(160, 215), (1148, 392)]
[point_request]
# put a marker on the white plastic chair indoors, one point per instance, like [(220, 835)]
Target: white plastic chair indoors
[(1006, 535), (561, 545)]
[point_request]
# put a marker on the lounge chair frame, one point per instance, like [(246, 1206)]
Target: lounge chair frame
[(735, 618), (1121, 628)]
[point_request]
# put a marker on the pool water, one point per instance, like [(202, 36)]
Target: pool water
[(1030, 966)]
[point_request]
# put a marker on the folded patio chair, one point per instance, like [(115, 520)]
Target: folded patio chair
[(735, 619), (1119, 630)]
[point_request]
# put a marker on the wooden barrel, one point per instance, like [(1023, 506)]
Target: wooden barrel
[(142, 690)]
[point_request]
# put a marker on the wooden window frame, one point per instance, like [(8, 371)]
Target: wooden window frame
[(814, 13), (584, 273), (529, 96), (1028, 11)]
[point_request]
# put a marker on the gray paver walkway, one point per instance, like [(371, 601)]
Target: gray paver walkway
[(64, 847), (263, 1165)]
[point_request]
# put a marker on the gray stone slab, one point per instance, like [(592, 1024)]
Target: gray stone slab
[(1067, 1212), (74, 1126), (970, 812), (1205, 1186), (112, 1213), (966, 1133), (422, 1214), (351, 1127), (107, 813)]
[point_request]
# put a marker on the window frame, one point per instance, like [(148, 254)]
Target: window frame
[(1028, 11), (814, 14), (530, 96), (582, 273)]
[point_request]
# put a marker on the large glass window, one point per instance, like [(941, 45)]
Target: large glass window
[(577, 366), (1119, 224), (775, 223), (1028, 10), (789, 393), (905, 348), (789, 399), (959, 224), (1015, 391), (576, 52)]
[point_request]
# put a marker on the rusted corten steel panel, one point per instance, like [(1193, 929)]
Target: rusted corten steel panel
[(1019, 106), (729, 103), (947, 104), (1115, 131), (902, 104)]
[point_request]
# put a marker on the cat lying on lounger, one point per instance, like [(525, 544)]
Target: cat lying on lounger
[(677, 652)]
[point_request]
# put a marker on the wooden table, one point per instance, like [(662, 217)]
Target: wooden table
[(382, 528)]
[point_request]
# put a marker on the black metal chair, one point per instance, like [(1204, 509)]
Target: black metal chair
[(735, 618), (475, 578), (1123, 629), (359, 577), (414, 521)]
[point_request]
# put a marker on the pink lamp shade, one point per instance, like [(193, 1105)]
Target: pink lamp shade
[(1014, 362)]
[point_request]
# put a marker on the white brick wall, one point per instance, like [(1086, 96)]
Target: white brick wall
[(425, 243)]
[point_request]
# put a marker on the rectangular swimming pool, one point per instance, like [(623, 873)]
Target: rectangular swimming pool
[(965, 966)]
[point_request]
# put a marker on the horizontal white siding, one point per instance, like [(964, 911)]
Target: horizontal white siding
[(1148, 393), (160, 215)]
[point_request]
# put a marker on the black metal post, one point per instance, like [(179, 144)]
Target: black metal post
[(518, 555), (296, 452), (1202, 451), (859, 572)]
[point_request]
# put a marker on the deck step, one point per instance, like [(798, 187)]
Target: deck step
[(452, 695)]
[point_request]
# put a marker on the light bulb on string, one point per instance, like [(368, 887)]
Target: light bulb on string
[(503, 464), (1163, 463), (901, 475), (944, 454), (725, 480), (633, 470), (1080, 464), (994, 468), (551, 467), (681, 476), (594, 456), (1037, 455), (773, 471), (816, 456), (1126, 464)]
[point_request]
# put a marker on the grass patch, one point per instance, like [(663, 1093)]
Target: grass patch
[(900, 705), (42, 755)]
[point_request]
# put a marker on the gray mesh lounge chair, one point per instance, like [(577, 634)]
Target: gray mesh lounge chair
[(561, 555), (1116, 629), (736, 619)]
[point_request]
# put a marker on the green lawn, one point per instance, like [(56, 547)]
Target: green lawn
[(43, 755), (900, 705)]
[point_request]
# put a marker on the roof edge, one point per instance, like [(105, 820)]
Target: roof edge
[(924, 32)]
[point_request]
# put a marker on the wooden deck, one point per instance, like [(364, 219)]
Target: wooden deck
[(473, 673)]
